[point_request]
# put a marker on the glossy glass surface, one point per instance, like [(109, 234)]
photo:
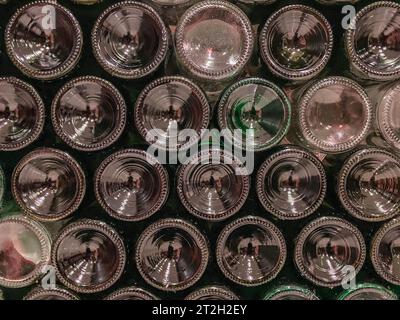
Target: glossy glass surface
[(129, 40), (388, 116), (212, 191), (296, 42), (21, 253), (129, 187), (217, 50), (369, 187), (131, 293), (290, 293), (368, 292), (335, 115), (326, 248), (87, 258), (48, 184), (212, 293), (88, 113), (388, 254), (21, 114), (50, 294), (44, 40), (291, 183), (258, 109), (251, 252), (377, 38), (213, 39), (131, 231), (171, 255), (166, 108)]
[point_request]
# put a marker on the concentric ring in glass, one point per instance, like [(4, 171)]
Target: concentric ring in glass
[(385, 252), (131, 185), (296, 42), (326, 248), (22, 114), (166, 108), (88, 113), (259, 110), (214, 40), (373, 46), (251, 251), (368, 184), (130, 40), (44, 40), (171, 254), (210, 186), (89, 256), (291, 183), (48, 184), (334, 115)]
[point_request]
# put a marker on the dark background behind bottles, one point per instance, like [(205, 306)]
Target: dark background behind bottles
[(87, 65)]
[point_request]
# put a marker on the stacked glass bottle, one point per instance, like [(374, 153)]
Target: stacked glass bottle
[(254, 104)]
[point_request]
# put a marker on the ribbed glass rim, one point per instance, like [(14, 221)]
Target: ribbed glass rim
[(40, 118), (255, 221), (220, 292), (222, 111), (120, 109), (375, 256), (45, 245), (137, 72), (142, 156), (383, 116), (133, 291), (38, 293), (203, 73), (62, 69), (350, 49), (349, 163), (294, 151), (188, 167), (47, 153), (304, 127), (288, 73), (365, 288), (200, 95), (308, 229), (185, 226), (283, 291), (99, 226)]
